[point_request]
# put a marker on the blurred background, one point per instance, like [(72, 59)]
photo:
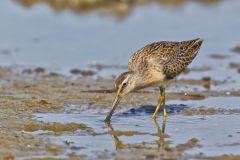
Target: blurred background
[(65, 34)]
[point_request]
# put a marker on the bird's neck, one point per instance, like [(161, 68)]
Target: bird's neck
[(139, 82)]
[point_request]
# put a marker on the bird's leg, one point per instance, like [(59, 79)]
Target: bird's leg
[(164, 106), (161, 100)]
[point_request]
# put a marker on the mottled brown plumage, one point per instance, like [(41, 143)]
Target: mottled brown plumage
[(154, 65), (168, 57)]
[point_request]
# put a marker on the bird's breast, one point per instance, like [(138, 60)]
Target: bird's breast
[(153, 79)]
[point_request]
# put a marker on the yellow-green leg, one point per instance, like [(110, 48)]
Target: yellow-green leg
[(161, 100), (164, 108)]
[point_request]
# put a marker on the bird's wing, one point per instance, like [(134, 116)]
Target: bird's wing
[(157, 51), (166, 56), (185, 53)]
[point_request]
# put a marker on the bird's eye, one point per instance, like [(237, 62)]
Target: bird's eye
[(124, 84)]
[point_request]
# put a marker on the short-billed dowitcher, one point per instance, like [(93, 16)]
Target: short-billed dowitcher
[(154, 66)]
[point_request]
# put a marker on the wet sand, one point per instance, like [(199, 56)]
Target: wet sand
[(39, 109)]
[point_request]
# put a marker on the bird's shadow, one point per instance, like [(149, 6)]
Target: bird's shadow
[(149, 110)]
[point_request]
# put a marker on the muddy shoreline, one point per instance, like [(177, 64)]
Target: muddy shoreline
[(23, 95)]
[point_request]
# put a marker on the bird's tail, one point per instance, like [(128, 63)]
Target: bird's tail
[(188, 50)]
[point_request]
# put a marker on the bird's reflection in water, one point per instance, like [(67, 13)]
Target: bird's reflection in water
[(119, 144)]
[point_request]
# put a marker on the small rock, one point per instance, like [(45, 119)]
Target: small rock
[(27, 71), (236, 49), (87, 73), (53, 74), (76, 148), (234, 65), (150, 156), (84, 73), (75, 71), (206, 78), (67, 142), (39, 70), (206, 82)]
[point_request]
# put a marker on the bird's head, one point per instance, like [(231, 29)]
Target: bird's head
[(124, 84)]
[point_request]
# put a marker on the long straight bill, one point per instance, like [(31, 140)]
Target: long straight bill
[(114, 106)]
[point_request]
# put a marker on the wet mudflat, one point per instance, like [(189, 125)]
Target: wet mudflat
[(45, 115)]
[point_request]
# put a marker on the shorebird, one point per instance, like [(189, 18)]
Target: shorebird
[(155, 65)]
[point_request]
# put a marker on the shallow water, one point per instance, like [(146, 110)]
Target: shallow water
[(130, 129), (215, 135), (216, 102)]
